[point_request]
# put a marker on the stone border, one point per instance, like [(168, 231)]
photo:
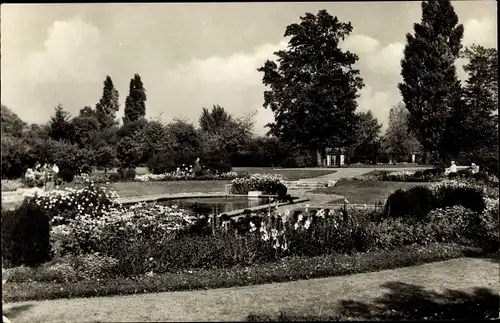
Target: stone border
[(166, 197)]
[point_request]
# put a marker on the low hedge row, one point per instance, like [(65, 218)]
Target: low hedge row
[(19, 289)]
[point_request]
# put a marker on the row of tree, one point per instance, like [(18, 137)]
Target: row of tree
[(312, 90), (313, 87)]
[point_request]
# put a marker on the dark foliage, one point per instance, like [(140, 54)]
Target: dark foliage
[(25, 235)]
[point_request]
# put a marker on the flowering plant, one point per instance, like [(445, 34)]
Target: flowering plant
[(267, 183), (88, 234), (92, 200), (185, 176)]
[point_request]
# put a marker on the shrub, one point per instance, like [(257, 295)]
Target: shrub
[(464, 173), (469, 197), (25, 235), (267, 183), (66, 175), (115, 177), (63, 205), (418, 174), (160, 163), (115, 231), (413, 204), (431, 172), (220, 167), (130, 174), (481, 177)]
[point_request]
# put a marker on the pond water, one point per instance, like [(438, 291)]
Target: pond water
[(206, 206)]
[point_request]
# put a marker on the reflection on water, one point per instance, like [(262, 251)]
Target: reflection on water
[(205, 206)]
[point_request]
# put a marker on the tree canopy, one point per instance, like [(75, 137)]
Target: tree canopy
[(313, 86), (430, 88)]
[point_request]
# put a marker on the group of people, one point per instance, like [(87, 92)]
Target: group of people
[(452, 170), (47, 171)]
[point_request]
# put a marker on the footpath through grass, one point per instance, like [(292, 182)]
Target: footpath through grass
[(365, 192), (288, 174), (386, 294)]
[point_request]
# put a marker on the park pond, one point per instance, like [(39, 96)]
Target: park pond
[(209, 205)]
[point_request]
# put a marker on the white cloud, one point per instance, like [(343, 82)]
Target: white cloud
[(232, 82), (360, 44), (379, 102), (480, 31), (386, 60), (71, 54)]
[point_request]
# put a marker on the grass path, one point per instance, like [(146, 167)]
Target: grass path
[(235, 304)]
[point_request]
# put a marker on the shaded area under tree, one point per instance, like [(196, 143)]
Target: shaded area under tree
[(407, 302)]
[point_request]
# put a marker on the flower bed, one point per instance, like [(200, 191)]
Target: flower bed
[(186, 177), (172, 176)]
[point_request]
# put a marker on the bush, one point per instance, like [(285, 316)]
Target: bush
[(130, 174), (431, 172), (220, 167), (469, 197), (160, 163), (481, 177), (66, 175), (413, 204), (64, 205), (267, 183), (25, 235), (115, 177)]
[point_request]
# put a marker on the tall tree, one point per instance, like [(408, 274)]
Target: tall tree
[(217, 118), (135, 103), (60, 126), (398, 140), (474, 130), (314, 87), (109, 104), (367, 136), (223, 134), (430, 88), (11, 123)]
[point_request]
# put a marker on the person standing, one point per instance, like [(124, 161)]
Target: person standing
[(55, 171)]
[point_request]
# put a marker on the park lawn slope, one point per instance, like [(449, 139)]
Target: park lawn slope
[(365, 192), (129, 189)]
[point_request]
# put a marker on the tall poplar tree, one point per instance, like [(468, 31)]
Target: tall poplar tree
[(430, 87), (135, 103)]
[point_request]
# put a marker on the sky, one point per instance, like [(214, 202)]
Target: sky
[(195, 55)]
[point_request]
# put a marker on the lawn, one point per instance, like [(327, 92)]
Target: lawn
[(288, 174), (128, 189), (364, 192)]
